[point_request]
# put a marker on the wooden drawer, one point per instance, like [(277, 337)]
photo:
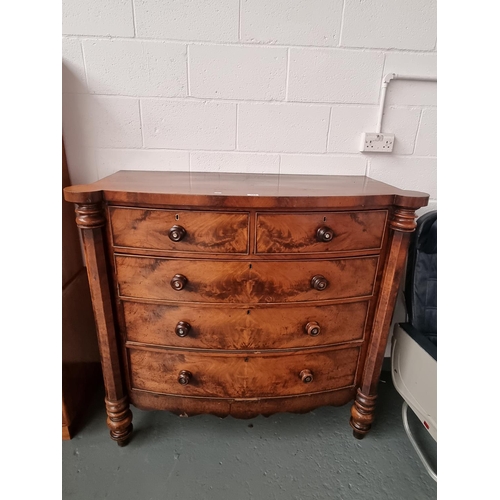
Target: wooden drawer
[(179, 231), (240, 281), (244, 328), (320, 232), (241, 375)]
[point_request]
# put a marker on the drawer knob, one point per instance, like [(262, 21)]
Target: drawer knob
[(306, 376), (313, 329), (324, 233), (176, 233), (178, 282), (182, 329), (319, 282), (184, 377)]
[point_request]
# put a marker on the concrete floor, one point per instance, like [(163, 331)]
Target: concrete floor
[(283, 457)]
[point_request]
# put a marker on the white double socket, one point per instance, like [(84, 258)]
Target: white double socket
[(372, 142)]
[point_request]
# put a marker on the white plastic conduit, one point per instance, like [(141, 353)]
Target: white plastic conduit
[(385, 83)]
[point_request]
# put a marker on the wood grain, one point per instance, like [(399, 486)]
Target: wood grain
[(244, 282), (242, 294), (240, 408), (244, 375), (294, 233), (218, 190), (233, 328), (207, 232)]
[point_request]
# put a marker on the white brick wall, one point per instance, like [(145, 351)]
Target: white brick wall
[(248, 85)]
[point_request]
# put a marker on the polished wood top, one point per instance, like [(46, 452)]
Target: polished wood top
[(214, 189)]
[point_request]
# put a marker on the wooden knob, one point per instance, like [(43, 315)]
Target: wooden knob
[(319, 282), (178, 282), (176, 233), (324, 234), (184, 377), (306, 376), (313, 328), (182, 329)]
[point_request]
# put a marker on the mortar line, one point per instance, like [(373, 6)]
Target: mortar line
[(328, 128), (257, 45), (341, 32), (84, 66), (188, 72), (133, 18), (239, 20), (418, 131), (141, 122), (287, 77)]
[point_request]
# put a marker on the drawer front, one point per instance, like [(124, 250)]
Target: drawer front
[(178, 231), (243, 328), (239, 281), (241, 375), (320, 232)]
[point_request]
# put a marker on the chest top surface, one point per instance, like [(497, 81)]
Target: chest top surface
[(211, 189)]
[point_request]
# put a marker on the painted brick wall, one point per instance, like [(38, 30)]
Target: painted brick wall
[(248, 85)]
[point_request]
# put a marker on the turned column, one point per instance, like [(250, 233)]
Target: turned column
[(91, 220), (402, 224)]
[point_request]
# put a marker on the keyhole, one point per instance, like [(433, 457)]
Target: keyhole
[(248, 312), (324, 219), (250, 266), (176, 216)]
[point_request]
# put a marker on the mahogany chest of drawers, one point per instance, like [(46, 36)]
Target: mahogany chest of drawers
[(242, 294)]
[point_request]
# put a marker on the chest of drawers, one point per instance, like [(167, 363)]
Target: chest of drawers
[(242, 294)]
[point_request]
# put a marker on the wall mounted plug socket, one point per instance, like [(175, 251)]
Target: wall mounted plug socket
[(377, 142)]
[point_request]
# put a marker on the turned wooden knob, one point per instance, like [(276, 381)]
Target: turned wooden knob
[(182, 328), (319, 282), (178, 282), (313, 328), (306, 376), (324, 234), (176, 233), (184, 377)]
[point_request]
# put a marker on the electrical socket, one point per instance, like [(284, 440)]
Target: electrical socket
[(377, 142)]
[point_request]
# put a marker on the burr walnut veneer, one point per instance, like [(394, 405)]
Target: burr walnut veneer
[(237, 294)]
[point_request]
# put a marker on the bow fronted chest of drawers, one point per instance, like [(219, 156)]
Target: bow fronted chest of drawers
[(242, 294)]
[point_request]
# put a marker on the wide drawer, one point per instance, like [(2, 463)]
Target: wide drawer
[(320, 232), (244, 328), (239, 281), (179, 231), (241, 375)]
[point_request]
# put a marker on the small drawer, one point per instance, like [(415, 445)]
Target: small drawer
[(239, 328), (241, 375), (179, 231), (185, 280), (320, 232)]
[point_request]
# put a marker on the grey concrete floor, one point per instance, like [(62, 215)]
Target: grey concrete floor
[(282, 457)]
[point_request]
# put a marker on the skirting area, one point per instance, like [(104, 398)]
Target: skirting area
[(283, 457)]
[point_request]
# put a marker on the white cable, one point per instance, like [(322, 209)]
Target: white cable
[(385, 83)]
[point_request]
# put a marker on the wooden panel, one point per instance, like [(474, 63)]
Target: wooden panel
[(239, 408), (244, 328), (241, 375), (292, 233), (239, 281), (211, 232)]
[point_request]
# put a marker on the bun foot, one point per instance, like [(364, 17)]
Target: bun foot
[(124, 441), (119, 420), (358, 435), (362, 414)]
